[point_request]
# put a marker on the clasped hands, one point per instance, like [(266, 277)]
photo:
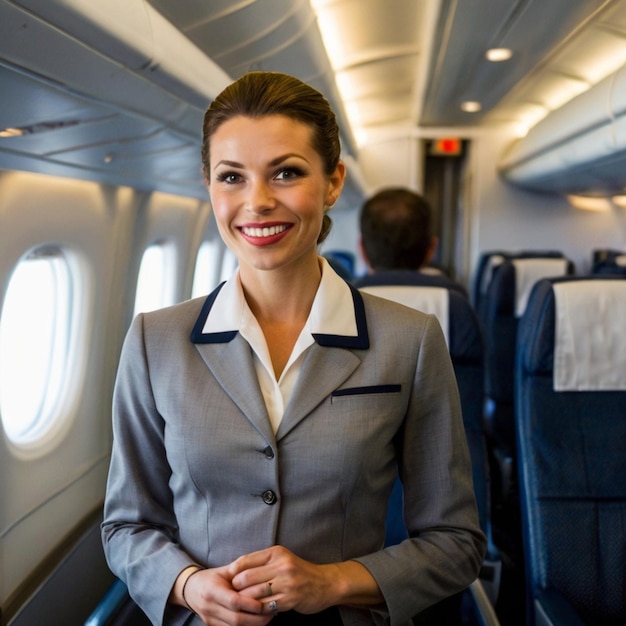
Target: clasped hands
[(253, 588)]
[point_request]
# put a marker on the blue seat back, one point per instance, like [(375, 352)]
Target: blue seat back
[(610, 262), (504, 304), (571, 433), (488, 263)]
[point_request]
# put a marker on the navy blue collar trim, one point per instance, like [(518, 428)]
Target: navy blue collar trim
[(197, 336), (360, 342)]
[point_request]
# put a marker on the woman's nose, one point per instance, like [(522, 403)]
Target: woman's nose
[(261, 198)]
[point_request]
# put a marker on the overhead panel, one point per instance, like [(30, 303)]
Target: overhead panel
[(459, 69), (580, 148), (106, 91)]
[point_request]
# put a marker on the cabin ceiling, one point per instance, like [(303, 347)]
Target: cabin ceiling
[(115, 90)]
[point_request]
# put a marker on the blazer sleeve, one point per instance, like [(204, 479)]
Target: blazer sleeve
[(446, 547), (139, 530)]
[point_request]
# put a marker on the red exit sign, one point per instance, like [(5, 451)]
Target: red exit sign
[(448, 146)]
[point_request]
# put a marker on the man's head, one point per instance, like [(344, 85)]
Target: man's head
[(396, 230)]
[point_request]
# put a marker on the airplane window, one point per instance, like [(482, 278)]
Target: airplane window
[(35, 344), (206, 270), (155, 285)]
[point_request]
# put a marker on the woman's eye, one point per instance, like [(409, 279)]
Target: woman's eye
[(288, 173), (228, 177)]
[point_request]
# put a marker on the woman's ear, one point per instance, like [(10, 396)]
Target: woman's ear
[(336, 181)]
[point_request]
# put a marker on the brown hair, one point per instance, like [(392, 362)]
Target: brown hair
[(396, 229), (258, 94)]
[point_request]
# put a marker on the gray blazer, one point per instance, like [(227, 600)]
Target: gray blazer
[(198, 476)]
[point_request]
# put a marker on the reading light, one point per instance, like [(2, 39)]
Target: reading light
[(499, 54), (471, 106)]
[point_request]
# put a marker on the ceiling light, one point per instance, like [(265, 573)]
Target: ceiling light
[(619, 201), (589, 203), (18, 131), (471, 106), (499, 54), (12, 132)]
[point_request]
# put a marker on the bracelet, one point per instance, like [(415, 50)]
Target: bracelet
[(182, 592)]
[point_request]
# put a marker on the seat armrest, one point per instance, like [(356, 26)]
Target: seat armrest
[(552, 609), (482, 607), (110, 605)]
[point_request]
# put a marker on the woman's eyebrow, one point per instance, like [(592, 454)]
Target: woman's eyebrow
[(284, 157), (277, 161), (229, 163)]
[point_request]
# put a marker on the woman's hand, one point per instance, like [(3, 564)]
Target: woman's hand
[(301, 585), (210, 594)]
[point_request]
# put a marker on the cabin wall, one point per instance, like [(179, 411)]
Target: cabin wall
[(45, 494)]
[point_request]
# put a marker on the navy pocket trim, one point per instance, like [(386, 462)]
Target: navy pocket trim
[(359, 391)]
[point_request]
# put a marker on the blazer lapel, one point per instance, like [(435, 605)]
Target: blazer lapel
[(328, 363), (323, 370), (231, 365)]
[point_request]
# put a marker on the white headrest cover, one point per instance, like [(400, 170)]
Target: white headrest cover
[(590, 336), (433, 300), (528, 272)]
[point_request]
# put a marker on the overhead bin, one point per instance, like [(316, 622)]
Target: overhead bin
[(129, 34), (112, 91), (577, 149)]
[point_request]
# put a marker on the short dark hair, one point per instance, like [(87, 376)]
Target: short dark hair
[(396, 229), (257, 94)]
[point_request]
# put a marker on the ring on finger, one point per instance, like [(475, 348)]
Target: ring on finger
[(273, 606)]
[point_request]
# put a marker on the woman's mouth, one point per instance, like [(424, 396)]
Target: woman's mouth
[(264, 231), (264, 235)]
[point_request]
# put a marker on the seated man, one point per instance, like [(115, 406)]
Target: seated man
[(397, 244)]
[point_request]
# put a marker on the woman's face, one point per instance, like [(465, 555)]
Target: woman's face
[(268, 190)]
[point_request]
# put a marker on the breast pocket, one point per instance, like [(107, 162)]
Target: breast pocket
[(369, 418), (381, 406)]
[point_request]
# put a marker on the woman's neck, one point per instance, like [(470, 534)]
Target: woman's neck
[(281, 302), (283, 295)]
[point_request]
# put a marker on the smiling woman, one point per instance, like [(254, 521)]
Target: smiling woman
[(293, 532)]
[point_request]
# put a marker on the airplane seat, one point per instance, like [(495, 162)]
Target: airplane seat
[(465, 343), (116, 608), (505, 302), (342, 261), (571, 434), (600, 255), (488, 263), (613, 262)]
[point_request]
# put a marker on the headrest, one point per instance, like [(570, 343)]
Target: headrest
[(590, 336), (492, 262), (528, 272), (433, 300)]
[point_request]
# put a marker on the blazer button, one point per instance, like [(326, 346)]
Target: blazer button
[(269, 497), (268, 452)]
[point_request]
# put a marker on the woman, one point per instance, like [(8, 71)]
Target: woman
[(258, 434)]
